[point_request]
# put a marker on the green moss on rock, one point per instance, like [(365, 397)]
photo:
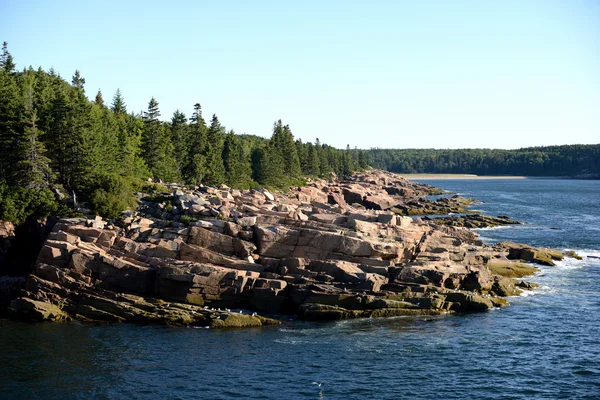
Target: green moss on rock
[(511, 269)]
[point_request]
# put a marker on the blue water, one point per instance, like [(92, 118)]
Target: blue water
[(545, 346)]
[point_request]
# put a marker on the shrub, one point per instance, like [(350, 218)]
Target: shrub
[(113, 195), (17, 204)]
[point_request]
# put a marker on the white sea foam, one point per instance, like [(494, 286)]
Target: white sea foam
[(527, 293), (493, 228), (590, 258)]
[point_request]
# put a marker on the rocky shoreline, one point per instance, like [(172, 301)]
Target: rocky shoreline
[(218, 257)]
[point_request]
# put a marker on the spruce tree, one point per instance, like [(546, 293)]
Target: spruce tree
[(157, 145), (180, 138), (215, 173), (195, 167), (362, 160), (10, 111), (6, 60), (290, 155), (99, 100), (282, 142), (33, 167), (118, 104), (312, 161), (324, 166), (236, 162), (152, 132)]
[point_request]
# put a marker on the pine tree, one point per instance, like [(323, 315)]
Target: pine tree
[(6, 60), (99, 100), (59, 142), (302, 151), (215, 173), (118, 104), (290, 155), (267, 166), (180, 138), (131, 130), (362, 160), (80, 172), (347, 163), (282, 142), (9, 114), (312, 162), (33, 168), (324, 166), (157, 145), (151, 138), (77, 81), (237, 164), (195, 167)]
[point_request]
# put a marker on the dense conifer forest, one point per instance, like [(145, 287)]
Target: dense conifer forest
[(582, 161), (55, 143)]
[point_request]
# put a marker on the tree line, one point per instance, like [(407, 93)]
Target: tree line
[(55, 143), (564, 161)]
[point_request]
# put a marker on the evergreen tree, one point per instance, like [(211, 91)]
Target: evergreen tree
[(9, 114), (195, 167), (6, 60), (78, 81), (312, 161), (33, 167), (180, 138), (84, 158), (347, 163), (237, 164), (118, 104), (267, 166), (130, 132), (99, 100), (324, 166), (59, 141), (152, 135), (157, 145), (302, 151), (362, 160), (282, 142), (215, 173)]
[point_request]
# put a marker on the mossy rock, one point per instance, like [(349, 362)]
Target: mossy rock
[(499, 302), (505, 287), (323, 312), (573, 254), (399, 312), (380, 303), (236, 320), (511, 269)]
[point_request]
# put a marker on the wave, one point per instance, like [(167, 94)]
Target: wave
[(493, 228), (590, 258), (527, 293)]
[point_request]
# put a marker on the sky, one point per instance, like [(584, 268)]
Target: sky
[(387, 74)]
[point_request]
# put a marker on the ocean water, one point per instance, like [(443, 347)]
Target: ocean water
[(546, 345)]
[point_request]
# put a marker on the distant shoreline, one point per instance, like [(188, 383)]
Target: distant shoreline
[(459, 176)]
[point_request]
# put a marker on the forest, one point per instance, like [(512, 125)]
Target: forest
[(578, 161), (56, 144)]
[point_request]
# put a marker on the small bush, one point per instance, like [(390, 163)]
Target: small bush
[(186, 219), (113, 195)]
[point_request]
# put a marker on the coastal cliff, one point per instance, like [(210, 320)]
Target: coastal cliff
[(329, 250)]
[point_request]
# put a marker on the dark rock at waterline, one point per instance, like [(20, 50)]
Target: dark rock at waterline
[(475, 221)]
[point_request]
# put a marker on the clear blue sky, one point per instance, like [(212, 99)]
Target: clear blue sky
[(393, 74)]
